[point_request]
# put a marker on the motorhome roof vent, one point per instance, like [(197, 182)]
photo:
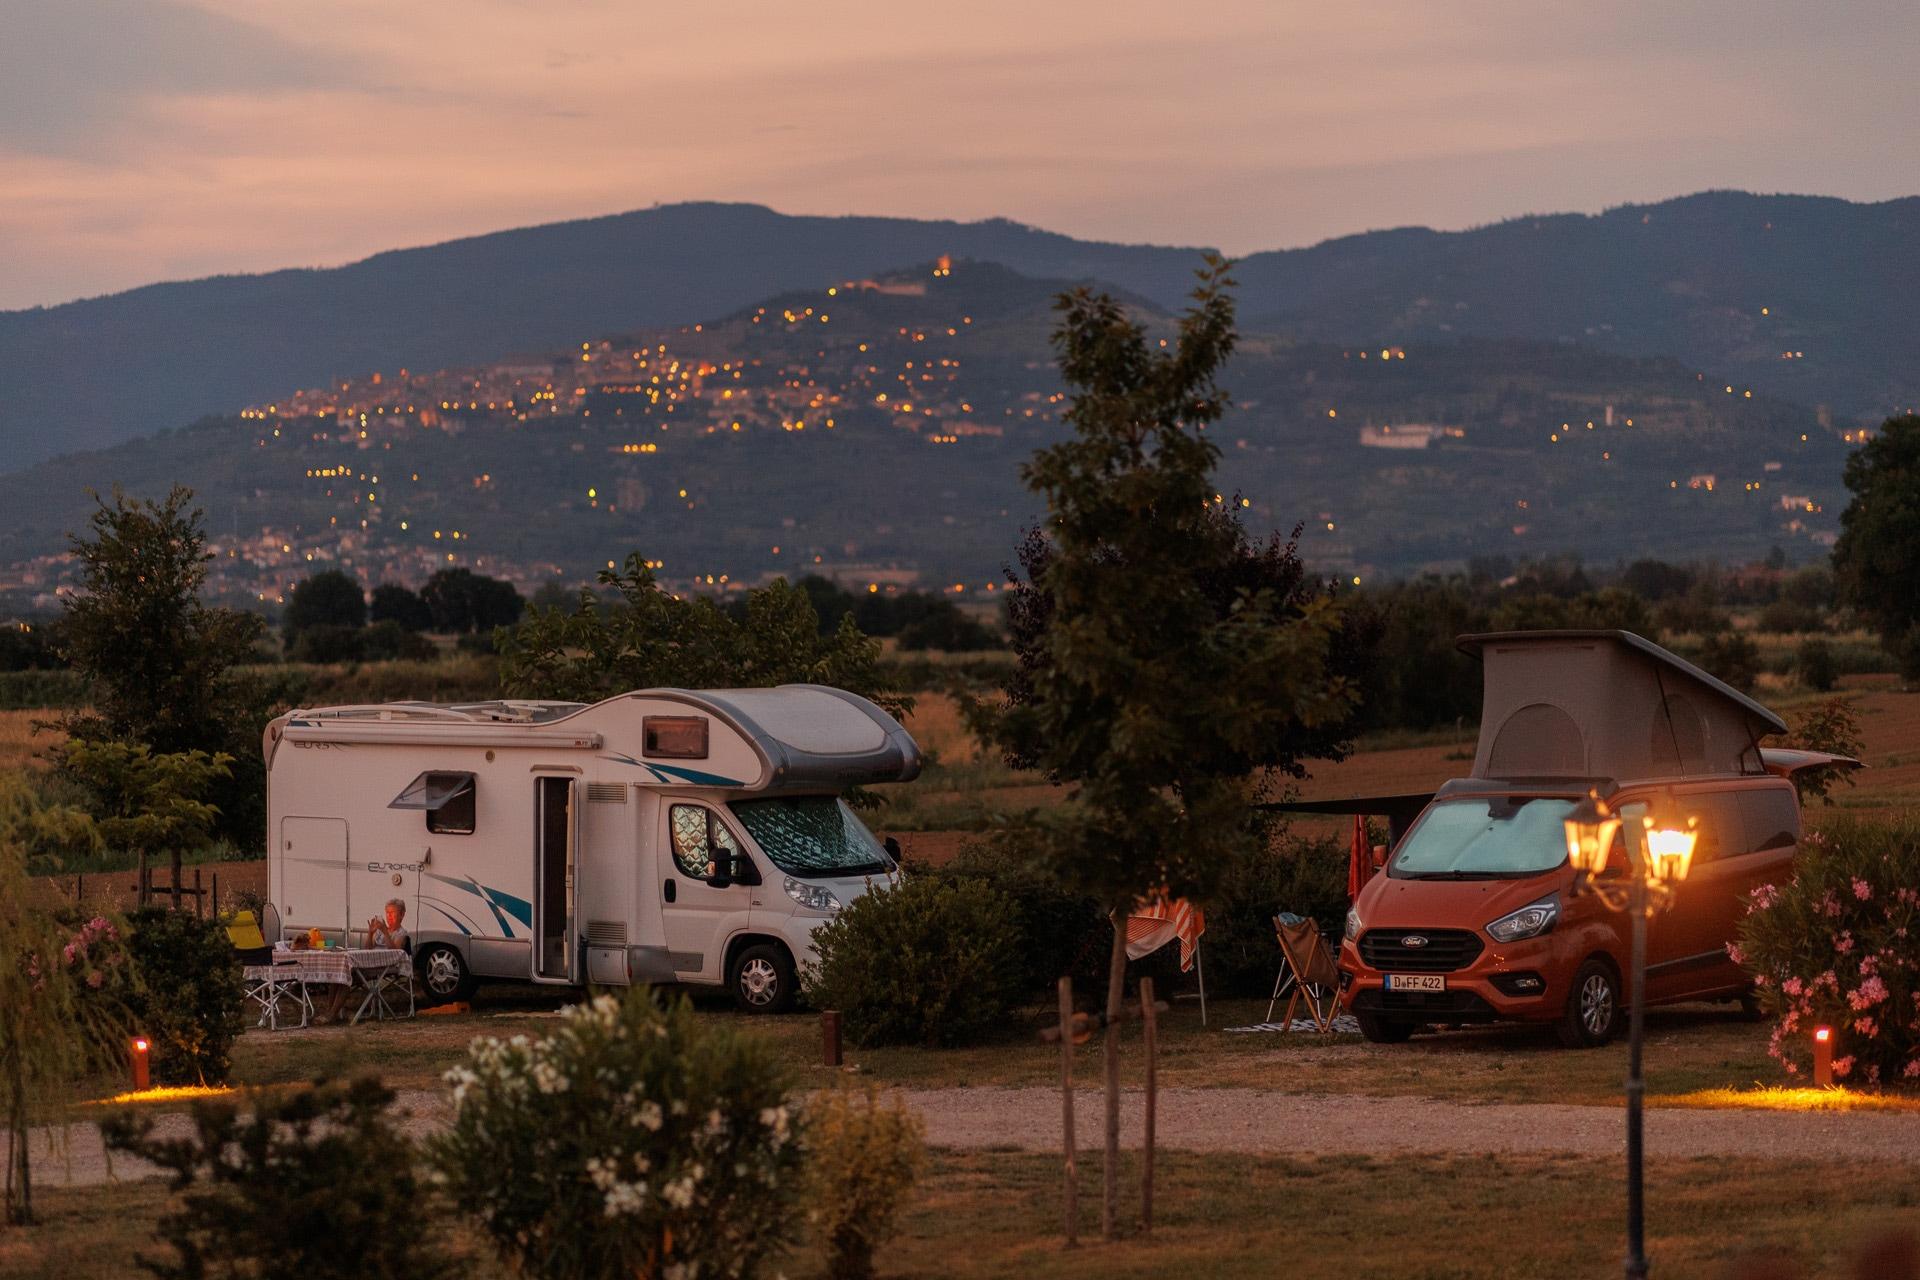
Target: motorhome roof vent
[(606, 793)]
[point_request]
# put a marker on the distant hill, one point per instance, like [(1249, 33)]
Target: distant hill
[(1685, 278), (876, 433)]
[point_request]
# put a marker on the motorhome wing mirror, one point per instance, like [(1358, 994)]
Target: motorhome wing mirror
[(721, 877)]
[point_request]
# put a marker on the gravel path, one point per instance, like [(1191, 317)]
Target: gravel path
[(1264, 1122)]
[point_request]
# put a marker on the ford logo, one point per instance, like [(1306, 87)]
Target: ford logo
[(1413, 940)]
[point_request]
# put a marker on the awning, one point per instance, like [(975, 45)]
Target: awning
[(1398, 810), (433, 791)]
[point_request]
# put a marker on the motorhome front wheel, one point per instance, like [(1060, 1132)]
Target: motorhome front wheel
[(763, 979), (444, 974)]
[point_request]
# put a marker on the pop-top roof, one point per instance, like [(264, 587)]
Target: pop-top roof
[(1607, 704)]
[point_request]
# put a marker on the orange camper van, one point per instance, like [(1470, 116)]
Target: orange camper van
[(1473, 920)]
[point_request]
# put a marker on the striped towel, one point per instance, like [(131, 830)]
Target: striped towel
[(1157, 921)]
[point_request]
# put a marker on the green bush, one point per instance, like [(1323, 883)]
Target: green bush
[(862, 1159), (316, 1184), (1815, 665), (188, 999), (1732, 657), (635, 1140), (1061, 933), (32, 690), (1839, 945), (1306, 877), (929, 960)]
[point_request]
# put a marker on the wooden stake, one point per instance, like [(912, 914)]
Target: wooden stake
[(1149, 1025), (199, 897), (1110, 1164), (1066, 1111), (830, 1037)]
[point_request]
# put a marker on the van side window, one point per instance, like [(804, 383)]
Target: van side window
[(1722, 834), (1773, 818), (696, 834)]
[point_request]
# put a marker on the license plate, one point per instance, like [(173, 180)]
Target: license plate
[(1416, 982)]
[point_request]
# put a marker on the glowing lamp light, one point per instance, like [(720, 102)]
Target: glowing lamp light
[(1823, 1057), (1670, 841), (139, 1062), (1591, 828)]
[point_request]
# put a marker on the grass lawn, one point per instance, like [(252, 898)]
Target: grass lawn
[(1408, 1218), (1696, 1054)]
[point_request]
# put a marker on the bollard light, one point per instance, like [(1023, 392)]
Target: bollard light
[(1823, 1057), (139, 1061)]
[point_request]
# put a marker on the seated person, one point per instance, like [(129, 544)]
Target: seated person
[(390, 931)]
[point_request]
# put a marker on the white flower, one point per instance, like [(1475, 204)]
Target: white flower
[(649, 1116), (678, 1193)]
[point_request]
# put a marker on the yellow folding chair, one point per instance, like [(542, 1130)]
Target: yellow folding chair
[(1315, 980)]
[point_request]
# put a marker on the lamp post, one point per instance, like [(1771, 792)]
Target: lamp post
[(1659, 849)]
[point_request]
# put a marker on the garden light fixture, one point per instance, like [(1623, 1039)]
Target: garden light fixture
[(1823, 1057), (1659, 850), (139, 1062)]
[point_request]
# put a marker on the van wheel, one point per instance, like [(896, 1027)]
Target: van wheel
[(762, 979), (1379, 1030), (1592, 1015), (444, 977)]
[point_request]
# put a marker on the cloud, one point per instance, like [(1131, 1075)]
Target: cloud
[(73, 71)]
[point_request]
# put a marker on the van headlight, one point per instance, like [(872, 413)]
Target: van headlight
[(1529, 921), (1352, 932), (814, 897)]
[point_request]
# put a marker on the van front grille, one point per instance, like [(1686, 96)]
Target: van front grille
[(1437, 951)]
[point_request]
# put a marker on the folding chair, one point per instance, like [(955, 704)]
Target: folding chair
[(1313, 978), (387, 990)]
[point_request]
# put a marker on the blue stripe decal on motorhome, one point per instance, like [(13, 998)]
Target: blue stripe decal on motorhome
[(520, 908), (673, 773), (457, 922)]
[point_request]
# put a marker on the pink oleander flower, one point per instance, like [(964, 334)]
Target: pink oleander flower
[(1868, 994), (1842, 1067), (1791, 986), (1862, 890), (95, 978), (1866, 1027), (1869, 964), (1843, 943), (1912, 1069), (1764, 897), (1735, 954)]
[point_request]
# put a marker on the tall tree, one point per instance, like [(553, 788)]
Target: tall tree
[(395, 603), (1877, 559), (1152, 702), (156, 658), (330, 598), (463, 601), (647, 638), (143, 800)]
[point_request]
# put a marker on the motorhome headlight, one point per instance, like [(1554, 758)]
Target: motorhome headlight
[(814, 897), (1352, 931), (1529, 921)]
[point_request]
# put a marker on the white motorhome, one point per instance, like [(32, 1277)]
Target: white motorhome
[(664, 835)]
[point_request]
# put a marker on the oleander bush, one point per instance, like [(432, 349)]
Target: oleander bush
[(863, 1156), (318, 1183), (187, 998), (929, 960), (1838, 945), (634, 1140)]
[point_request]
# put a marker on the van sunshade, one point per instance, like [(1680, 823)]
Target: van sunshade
[(433, 791)]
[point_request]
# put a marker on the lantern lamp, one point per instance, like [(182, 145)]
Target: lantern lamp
[(1591, 828), (1671, 836)]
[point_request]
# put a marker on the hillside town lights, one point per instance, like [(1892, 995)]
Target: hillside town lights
[(1659, 852)]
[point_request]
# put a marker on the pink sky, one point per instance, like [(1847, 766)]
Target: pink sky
[(144, 141)]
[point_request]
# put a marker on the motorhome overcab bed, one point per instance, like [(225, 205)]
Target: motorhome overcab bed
[(665, 835)]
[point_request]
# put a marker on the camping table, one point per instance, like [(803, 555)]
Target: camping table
[(339, 967)]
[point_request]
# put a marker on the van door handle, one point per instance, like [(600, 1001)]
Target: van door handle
[(667, 890)]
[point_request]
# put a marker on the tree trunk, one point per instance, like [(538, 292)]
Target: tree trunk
[(1116, 997)]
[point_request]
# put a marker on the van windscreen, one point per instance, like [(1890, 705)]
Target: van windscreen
[(1485, 838), (812, 836)]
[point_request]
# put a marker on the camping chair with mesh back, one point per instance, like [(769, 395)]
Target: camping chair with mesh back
[(1314, 980)]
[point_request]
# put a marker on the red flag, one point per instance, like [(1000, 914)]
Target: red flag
[(1359, 859)]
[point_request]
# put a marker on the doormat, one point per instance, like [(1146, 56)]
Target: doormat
[(1343, 1024)]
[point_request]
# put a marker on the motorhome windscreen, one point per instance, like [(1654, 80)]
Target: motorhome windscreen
[(812, 836), (1485, 838)]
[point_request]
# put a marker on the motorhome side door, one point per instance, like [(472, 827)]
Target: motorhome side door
[(313, 873), (555, 879)]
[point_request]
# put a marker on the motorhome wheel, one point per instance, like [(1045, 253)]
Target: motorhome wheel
[(443, 974), (763, 980)]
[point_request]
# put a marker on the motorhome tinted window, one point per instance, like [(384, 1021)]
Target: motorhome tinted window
[(675, 737), (455, 817), (1485, 837), (812, 836)]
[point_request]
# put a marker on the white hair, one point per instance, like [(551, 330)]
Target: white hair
[(398, 904)]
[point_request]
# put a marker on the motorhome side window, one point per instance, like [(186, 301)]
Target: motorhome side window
[(675, 737), (696, 834), (447, 798)]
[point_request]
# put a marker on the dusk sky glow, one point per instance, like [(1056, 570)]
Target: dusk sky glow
[(144, 141)]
